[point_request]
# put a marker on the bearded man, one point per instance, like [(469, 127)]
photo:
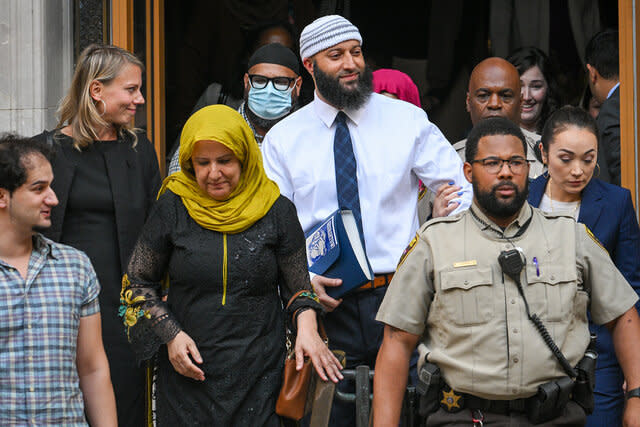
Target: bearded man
[(354, 149), (497, 297)]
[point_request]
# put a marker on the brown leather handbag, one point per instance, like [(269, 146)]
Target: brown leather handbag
[(297, 386)]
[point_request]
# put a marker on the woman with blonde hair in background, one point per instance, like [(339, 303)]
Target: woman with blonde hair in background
[(106, 179)]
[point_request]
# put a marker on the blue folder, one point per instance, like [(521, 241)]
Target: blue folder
[(335, 250)]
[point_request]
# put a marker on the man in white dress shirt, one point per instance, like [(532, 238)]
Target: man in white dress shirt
[(394, 145)]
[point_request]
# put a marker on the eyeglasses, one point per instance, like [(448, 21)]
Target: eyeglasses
[(493, 165), (280, 83)]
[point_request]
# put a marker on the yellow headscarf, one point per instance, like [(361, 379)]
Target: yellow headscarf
[(255, 193)]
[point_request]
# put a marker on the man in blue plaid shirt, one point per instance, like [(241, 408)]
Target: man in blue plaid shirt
[(53, 368)]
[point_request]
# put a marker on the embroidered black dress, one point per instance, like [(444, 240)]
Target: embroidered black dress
[(239, 330)]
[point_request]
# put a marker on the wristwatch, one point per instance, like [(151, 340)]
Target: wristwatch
[(633, 393)]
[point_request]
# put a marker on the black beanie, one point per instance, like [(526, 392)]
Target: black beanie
[(275, 53)]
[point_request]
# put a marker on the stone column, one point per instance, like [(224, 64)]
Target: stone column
[(36, 60)]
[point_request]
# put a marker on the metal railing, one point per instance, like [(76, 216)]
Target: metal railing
[(363, 397)]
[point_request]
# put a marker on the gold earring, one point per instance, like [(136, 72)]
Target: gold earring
[(597, 171)]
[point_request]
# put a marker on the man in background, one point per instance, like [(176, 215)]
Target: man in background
[(604, 81), (271, 90), (494, 91)]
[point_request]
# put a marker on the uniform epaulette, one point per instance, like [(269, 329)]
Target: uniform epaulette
[(450, 218), (555, 214)]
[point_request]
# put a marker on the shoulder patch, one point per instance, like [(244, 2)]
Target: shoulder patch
[(594, 238), (408, 249), (422, 190)]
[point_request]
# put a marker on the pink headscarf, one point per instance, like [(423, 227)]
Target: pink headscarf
[(397, 83)]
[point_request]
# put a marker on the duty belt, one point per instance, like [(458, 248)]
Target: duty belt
[(452, 401)]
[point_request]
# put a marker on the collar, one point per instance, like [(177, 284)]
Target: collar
[(510, 231), (41, 246), (530, 138), (613, 89), (242, 112), (328, 112)]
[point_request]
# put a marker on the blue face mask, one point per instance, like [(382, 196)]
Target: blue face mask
[(269, 103)]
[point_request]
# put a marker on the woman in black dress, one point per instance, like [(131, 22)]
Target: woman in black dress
[(106, 178), (234, 254)]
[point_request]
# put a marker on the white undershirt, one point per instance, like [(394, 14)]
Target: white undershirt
[(569, 208)]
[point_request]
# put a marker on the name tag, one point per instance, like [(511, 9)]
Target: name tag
[(465, 263)]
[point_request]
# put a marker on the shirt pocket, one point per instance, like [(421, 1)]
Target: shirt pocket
[(551, 292), (467, 295)]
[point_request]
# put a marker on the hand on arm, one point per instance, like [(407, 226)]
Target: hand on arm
[(309, 343), (93, 371), (180, 347), (319, 283), (445, 202), (390, 379), (626, 340)]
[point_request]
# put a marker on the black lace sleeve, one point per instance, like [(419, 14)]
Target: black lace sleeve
[(147, 320), (295, 285)]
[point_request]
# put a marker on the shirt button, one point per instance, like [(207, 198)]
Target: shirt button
[(514, 391), (515, 331), (516, 360), (29, 326), (513, 301), (553, 277), (31, 389), (466, 282), (30, 358)]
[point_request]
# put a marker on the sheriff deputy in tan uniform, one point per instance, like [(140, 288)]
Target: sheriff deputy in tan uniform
[(452, 294)]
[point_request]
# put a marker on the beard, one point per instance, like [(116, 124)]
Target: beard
[(339, 96), (266, 124), (491, 204)]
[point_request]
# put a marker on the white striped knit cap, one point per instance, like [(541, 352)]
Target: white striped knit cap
[(325, 32)]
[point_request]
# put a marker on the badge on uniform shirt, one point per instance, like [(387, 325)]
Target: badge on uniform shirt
[(408, 249)]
